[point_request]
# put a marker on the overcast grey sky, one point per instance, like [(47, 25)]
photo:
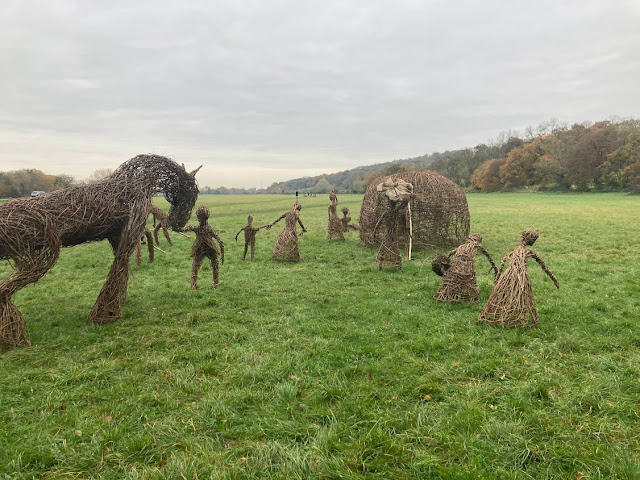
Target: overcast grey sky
[(267, 90)]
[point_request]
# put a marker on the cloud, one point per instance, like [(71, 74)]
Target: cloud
[(289, 86)]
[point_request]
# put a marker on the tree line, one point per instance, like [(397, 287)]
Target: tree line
[(601, 156), (20, 183), (604, 156)]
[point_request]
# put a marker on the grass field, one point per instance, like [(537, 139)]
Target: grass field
[(330, 368)]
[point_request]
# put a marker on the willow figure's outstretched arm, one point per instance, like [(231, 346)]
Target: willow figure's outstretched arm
[(221, 243), (545, 268), (493, 265), (189, 228), (501, 269), (243, 228), (304, 229), (276, 221)]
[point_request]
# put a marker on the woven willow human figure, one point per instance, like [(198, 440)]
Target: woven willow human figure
[(334, 227), (396, 220), (204, 246), (287, 242), (249, 236), (159, 222), (148, 237), (346, 218), (333, 198), (459, 279), (511, 304)]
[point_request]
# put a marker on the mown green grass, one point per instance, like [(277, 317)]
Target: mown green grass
[(330, 368)]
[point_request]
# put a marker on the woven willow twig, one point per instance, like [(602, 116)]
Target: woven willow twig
[(33, 230), (459, 280), (439, 211), (287, 242), (511, 304), (249, 236), (204, 246)]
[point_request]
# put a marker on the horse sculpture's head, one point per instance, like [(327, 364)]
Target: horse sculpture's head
[(161, 174), (182, 196)]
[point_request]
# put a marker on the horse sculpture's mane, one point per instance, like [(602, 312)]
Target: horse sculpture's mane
[(116, 208)]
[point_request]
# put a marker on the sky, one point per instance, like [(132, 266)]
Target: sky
[(264, 91)]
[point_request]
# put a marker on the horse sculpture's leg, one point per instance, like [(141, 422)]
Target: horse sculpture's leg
[(33, 256), (108, 306)]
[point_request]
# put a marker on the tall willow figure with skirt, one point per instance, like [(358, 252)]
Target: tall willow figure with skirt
[(287, 242), (511, 304)]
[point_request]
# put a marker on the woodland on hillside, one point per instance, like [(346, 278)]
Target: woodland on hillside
[(603, 156)]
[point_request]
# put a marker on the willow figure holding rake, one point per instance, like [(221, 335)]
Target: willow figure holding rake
[(511, 303), (249, 236), (203, 246), (397, 222), (459, 279), (287, 243)]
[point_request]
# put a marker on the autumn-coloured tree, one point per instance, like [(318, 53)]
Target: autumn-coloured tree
[(523, 166), (487, 176), (589, 153), (617, 170)]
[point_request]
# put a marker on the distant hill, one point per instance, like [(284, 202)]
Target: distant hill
[(348, 181)]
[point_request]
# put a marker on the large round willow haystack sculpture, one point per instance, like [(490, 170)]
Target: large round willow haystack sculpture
[(439, 211)]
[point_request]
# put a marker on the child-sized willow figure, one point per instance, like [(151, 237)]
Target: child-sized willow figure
[(204, 246), (287, 243), (346, 218), (334, 227), (249, 236), (511, 303), (459, 279), (159, 222)]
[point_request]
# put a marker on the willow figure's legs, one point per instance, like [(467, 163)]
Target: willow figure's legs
[(253, 247), (197, 261), (216, 273), (244, 254), (155, 232), (166, 232)]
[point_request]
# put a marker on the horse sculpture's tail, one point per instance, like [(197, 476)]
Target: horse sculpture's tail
[(29, 238)]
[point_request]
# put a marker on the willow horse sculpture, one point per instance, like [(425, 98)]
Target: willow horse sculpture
[(33, 230)]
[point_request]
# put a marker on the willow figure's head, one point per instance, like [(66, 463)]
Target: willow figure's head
[(529, 237)]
